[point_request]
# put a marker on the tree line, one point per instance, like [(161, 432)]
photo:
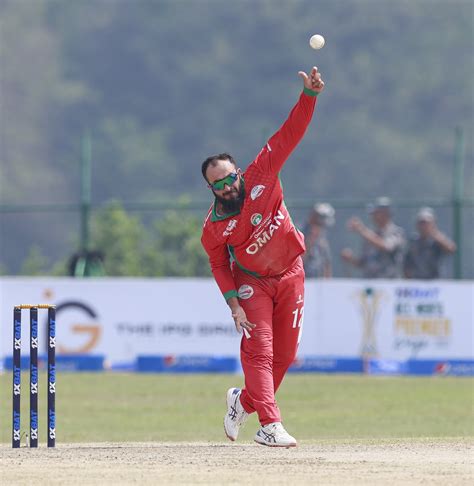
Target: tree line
[(159, 91)]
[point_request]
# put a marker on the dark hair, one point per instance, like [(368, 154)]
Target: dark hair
[(212, 161)]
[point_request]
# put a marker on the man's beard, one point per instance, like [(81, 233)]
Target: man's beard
[(232, 205)]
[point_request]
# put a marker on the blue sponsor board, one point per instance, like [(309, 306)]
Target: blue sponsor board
[(186, 364), (425, 367), (80, 363), (24, 363), (448, 367), (74, 362), (316, 364), (386, 367)]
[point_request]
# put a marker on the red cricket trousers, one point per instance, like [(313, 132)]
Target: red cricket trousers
[(275, 305)]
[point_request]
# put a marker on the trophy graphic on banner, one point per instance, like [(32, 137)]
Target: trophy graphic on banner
[(369, 301)]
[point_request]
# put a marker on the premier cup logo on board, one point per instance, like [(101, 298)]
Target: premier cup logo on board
[(245, 292), (256, 219), (421, 320)]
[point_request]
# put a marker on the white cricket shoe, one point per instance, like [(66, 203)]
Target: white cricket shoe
[(274, 435), (236, 415)]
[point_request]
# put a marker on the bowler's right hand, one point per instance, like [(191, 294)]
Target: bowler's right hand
[(313, 81)]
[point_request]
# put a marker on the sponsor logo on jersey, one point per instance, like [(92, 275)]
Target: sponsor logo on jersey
[(230, 227), (265, 236), (256, 192), (245, 292), (256, 219)]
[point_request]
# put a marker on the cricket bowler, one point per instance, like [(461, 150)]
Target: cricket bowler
[(255, 254)]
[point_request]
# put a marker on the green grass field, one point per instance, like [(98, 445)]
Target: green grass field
[(148, 407)]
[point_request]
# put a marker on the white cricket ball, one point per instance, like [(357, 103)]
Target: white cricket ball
[(317, 41)]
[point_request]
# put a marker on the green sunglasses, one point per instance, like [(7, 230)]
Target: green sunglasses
[(229, 180)]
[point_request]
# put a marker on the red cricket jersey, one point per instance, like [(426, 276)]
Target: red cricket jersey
[(261, 238)]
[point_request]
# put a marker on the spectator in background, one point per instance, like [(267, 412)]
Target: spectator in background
[(317, 259), (426, 248), (382, 252)]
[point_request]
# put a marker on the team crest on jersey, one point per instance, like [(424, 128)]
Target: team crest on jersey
[(256, 192), (245, 292), (230, 227), (256, 219)]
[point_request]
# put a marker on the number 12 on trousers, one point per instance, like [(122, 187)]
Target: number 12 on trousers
[(298, 315)]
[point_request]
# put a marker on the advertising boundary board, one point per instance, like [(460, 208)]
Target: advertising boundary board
[(350, 325)]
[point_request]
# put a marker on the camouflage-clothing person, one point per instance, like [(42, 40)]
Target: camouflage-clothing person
[(423, 258), (376, 263), (317, 258), (426, 248), (382, 252)]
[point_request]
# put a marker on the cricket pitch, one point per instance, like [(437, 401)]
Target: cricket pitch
[(349, 462)]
